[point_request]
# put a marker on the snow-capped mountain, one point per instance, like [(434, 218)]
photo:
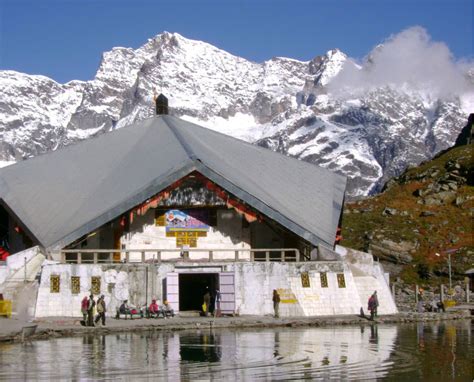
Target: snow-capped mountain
[(283, 104)]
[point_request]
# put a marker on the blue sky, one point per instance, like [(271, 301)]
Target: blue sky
[(64, 39)]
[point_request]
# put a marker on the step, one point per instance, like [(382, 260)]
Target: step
[(189, 313)]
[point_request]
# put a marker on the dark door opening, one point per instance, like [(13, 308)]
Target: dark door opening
[(192, 287)]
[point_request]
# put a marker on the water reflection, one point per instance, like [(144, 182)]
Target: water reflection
[(435, 351)]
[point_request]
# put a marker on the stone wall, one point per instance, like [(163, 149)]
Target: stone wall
[(341, 292), (117, 283)]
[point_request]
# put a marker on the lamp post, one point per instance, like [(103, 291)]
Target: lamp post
[(449, 267)]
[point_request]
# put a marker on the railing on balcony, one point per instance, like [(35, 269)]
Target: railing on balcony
[(100, 256)]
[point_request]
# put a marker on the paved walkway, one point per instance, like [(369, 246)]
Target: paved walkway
[(10, 328)]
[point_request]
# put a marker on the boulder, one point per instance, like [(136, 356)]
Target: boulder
[(394, 252), (427, 213), (389, 211)]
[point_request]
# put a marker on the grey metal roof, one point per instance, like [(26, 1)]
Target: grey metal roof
[(62, 195)]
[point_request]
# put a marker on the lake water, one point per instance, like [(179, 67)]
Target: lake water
[(429, 352)]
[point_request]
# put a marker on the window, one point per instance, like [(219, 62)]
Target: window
[(324, 280), (305, 280), (95, 285), (75, 284), (341, 281), (54, 283)]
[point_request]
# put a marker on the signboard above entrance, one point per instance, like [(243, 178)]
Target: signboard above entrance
[(187, 220)]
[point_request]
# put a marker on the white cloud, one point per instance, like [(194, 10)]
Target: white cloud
[(411, 60)]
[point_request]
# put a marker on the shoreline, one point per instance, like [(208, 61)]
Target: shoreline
[(57, 327)]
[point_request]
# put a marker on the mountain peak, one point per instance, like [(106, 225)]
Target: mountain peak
[(281, 103)]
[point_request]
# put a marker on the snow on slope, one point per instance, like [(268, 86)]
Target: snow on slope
[(282, 104)]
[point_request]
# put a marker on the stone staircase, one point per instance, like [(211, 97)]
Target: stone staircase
[(20, 285)]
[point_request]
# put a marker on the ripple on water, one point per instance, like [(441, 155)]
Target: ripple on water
[(342, 353)]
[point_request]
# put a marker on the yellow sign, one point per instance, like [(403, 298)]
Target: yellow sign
[(287, 296), (6, 308)]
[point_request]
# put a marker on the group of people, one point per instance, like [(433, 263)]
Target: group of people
[(154, 310), (427, 306), (89, 307)]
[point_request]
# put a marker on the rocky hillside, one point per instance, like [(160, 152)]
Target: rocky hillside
[(286, 105), (426, 210)]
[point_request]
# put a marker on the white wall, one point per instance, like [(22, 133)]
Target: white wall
[(254, 285), (228, 234), (3, 274), (67, 304)]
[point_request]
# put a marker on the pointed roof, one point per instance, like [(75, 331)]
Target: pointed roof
[(62, 195)]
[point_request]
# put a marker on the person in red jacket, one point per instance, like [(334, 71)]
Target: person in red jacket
[(154, 309)]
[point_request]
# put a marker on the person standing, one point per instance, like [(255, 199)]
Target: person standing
[(217, 304), (84, 308), (372, 305), (276, 303), (90, 311), (207, 301), (101, 310)]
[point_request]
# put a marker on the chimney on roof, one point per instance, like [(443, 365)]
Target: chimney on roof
[(161, 105)]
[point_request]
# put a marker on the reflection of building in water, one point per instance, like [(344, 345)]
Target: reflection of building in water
[(322, 352), (164, 208)]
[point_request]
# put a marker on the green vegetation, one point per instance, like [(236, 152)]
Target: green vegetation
[(427, 210)]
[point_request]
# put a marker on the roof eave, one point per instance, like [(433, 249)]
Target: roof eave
[(259, 205), (151, 189)]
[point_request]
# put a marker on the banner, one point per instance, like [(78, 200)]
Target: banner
[(187, 220)]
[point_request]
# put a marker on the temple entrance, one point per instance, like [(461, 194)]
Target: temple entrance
[(185, 291), (192, 287)]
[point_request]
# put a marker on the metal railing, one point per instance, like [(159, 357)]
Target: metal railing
[(100, 256)]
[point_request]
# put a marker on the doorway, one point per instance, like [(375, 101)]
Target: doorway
[(192, 287)]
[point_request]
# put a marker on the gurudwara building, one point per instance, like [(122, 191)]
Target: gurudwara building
[(167, 209)]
